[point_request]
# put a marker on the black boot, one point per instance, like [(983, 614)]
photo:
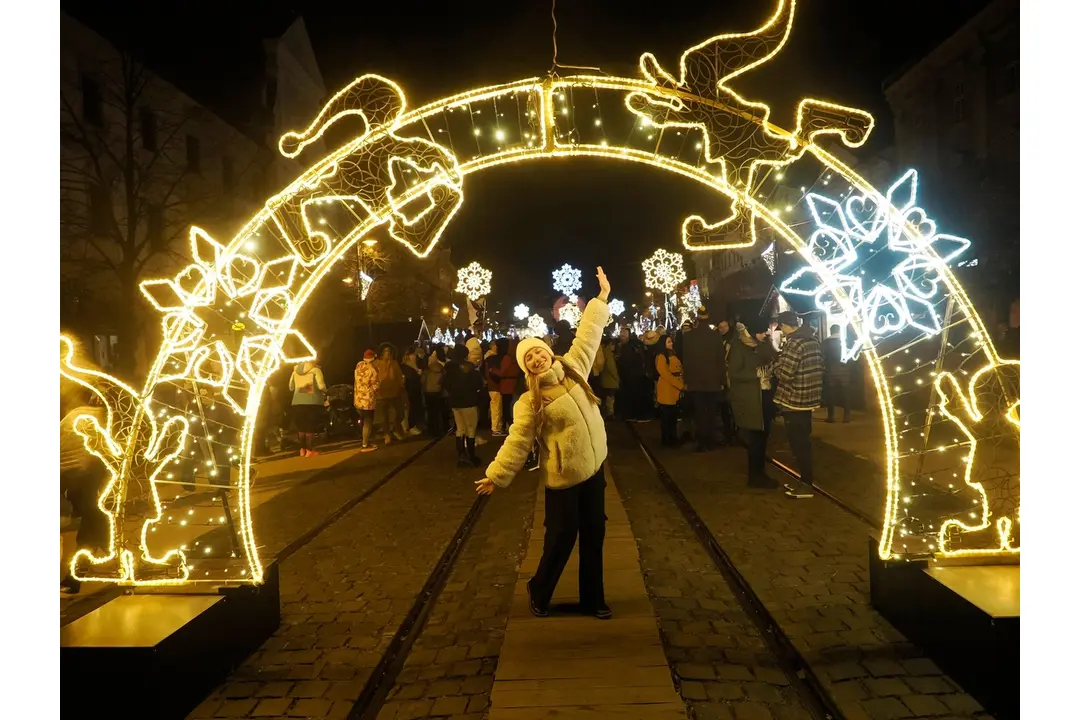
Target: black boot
[(462, 458), (470, 445)]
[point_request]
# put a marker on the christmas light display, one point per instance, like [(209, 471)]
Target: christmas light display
[(874, 260), (616, 307), (567, 280), (365, 285), (474, 282), (521, 312), (537, 327), (570, 312), (769, 256), (664, 271)]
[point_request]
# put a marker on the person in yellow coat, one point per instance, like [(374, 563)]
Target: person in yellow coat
[(669, 385)]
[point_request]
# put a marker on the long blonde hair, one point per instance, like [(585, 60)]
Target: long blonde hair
[(532, 382)]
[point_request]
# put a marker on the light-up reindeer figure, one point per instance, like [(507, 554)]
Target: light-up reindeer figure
[(737, 132), (986, 411), (134, 450), (375, 174)]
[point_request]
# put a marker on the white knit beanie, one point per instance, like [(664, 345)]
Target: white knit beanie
[(525, 346)]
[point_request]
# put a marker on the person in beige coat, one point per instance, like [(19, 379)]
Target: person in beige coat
[(561, 414)]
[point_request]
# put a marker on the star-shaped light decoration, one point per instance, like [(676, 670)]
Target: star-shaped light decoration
[(664, 271), (567, 280), (616, 307), (908, 277), (474, 282), (521, 311)]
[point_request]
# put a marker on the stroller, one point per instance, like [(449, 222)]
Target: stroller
[(341, 417)]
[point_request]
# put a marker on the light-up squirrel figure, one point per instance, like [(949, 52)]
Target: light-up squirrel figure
[(988, 409), (737, 132), (134, 449)]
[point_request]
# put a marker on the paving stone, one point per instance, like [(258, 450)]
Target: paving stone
[(272, 707), (771, 540), (885, 687), (751, 711), (311, 708), (449, 706), (924, 705), (886, 709), (704, 631), (962, 704), (933, 685)]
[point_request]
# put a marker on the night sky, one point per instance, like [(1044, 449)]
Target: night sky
[(523, 221)]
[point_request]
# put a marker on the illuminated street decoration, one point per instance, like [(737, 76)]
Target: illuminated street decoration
[(474, 282), (365, 285), (521, 312), (537, 327), (616, 307), (664, 271), (567, 280), (571, 313), (228, 318), (862, 230), (769, 256)]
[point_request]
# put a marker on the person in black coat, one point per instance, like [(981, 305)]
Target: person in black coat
[(464, 388)]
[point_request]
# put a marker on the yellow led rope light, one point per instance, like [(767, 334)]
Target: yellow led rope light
[(375, 168)]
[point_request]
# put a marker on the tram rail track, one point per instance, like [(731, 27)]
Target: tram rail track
[(811, 691)]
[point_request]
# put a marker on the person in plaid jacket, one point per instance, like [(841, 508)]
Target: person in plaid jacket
[(799, 371)]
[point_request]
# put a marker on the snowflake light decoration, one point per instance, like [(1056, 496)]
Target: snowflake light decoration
[(521, 311), (664, 271), (365, 285), (616, 307), (571, 313), (907, 252), (537, 327), (567, 280), (474, 282)]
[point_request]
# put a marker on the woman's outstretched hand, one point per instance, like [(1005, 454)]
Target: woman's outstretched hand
[(484, 487), (605, 286)]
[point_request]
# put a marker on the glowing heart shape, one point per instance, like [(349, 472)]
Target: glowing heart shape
[(241, 276), (196, 286), (912, 232)]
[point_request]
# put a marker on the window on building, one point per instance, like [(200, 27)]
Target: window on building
[(148, 128), (194, 154), (228, 178), (91, 101), (100, 209), (958, 102), (155, 226)]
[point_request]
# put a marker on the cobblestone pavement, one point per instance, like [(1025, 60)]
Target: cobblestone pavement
[(451, 669), (808, 562), (345, 594), (722, 667)]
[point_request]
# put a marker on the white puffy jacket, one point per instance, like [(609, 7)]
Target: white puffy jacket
[(573, 439)]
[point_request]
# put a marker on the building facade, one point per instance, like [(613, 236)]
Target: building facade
[(956, 112), (140, 162)]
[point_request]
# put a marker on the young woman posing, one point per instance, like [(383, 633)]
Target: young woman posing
[(561, 414)]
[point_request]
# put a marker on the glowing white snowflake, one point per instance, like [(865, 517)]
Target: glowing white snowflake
[(571, 313), (664, 271), (521, 311), (616, 307), (907, 275), (365, 285), (474, 282), (567, 280), (769, 256), (537, 327)]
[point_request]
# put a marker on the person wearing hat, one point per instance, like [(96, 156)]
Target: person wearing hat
[(705, 375), (799, 371), (750, 360), (365, 389), (561, 415)]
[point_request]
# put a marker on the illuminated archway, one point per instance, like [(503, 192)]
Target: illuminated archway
[(875, 259)]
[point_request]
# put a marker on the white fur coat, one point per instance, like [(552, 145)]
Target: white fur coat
[(573, 440)]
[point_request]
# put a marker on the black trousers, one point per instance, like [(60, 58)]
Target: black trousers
[(93, 523), (436, 414), (798, 424), (669, 425), (568, 514), (758, 440), (836, 393), (727, 420), (507, 410), (705, 418)]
